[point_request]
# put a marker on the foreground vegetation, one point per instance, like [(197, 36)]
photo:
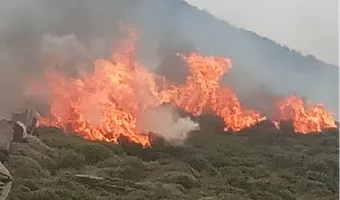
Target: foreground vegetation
[(55, 166)]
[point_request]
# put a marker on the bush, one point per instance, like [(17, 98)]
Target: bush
[(182, 178), (112, 161), (221, 166), (68, 158), (94, 153), (24, 167), (41, 157), (56, 138), (132, 168)]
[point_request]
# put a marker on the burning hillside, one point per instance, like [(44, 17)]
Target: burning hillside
[(111, 101)]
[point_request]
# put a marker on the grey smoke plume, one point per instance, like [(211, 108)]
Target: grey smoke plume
[(66, 54), (35, 34), (166, 122)]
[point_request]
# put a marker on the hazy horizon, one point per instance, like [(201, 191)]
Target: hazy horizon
[(286, 22)]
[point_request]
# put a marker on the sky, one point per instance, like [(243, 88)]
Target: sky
[(308, 26)]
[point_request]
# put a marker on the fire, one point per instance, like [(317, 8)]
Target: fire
[(312, 118), (107, 103), (227, 106), (202, 93)]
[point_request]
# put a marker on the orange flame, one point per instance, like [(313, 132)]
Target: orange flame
[(105, 104), (305, 120), (202, 93)]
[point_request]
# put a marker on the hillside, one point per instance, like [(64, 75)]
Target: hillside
[(277, 67), (260, 162), (211, 166)]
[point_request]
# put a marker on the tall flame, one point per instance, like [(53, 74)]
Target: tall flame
[(305, 119), (108, 102)]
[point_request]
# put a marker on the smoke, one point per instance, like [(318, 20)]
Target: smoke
[(71, 34), (166, 122), (65, 35), (65, 54)]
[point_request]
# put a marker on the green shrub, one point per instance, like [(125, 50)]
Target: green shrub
[(56, 138), (94, 153), (24, 167), (41, 157), (68, 158), (112, 161), (182, 178), (132, 168)]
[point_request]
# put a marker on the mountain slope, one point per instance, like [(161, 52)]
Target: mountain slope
[(279, 68)]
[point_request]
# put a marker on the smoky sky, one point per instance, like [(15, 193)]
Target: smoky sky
[(72, 34), (309, 26)]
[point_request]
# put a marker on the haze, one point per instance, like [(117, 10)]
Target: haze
[(309, 26)]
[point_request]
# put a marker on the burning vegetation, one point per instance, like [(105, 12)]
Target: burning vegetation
[(110, 101)]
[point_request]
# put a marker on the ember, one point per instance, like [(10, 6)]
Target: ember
[(106, 104)]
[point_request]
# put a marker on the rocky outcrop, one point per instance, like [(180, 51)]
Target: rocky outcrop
[(27, 119), (12, 133), (5, 182), (6, 136), (17, 128)]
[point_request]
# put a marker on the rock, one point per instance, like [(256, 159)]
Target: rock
[(5, 182), (6, 135), (28, 117), (20, 131), (14, 130), (4, 155), (88, 179), (185, 179)]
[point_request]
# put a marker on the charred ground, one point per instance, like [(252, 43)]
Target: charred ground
[(251, 165)]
